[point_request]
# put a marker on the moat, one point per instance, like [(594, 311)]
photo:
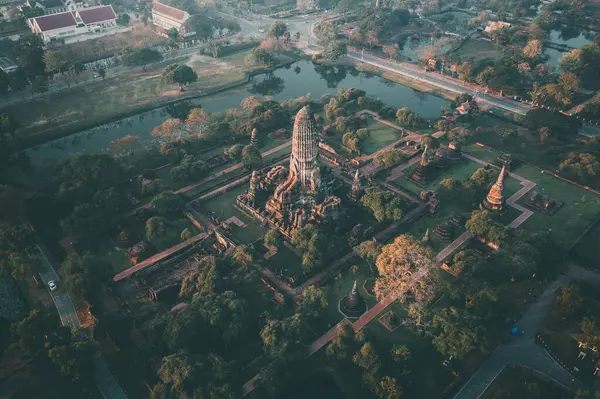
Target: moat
[(285, 83)]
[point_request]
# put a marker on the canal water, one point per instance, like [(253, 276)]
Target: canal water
[(569, 35), (297, 80)]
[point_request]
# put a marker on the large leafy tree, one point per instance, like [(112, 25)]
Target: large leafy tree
[(457, 332), (335, 50), (167, 203), (406, 267), (277, 29), (180, 74), (384, 205), (140, 57)]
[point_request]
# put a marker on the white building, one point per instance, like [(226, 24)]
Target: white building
[(166, 18), (73, 23)]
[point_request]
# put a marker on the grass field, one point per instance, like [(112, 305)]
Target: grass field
[(579, 210), (224, 208), (519, 382), (477, 50), (112, 97)]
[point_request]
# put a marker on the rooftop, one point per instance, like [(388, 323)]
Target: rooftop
[(97, 14), (171, 12), (67, 19)]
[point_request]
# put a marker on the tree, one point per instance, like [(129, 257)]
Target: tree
[(533, 49), (166, 203), (206, 280), (123, 19), (172, 127), (235, 152), (277, 29), (400, 353), (282, 337), (177, 370), (482, 225), (55, 61), (251, 157), (74, 361), (368, 250), (569, 85), (90, 171), (273, 237), (37, 330), (367, 359), (21, 267), (180, 74), (391, 50), (457, 332), (335, 50), (387, 388), (405, 267), (544, 132), (189, 168), (102, 73), (196, 121), (312, 301), (389, 157), (571, 61), (214, 47), (173, 34), (384, 205), (156, 228), (140, 57), (406, 117), (569, 299), (464, 71), (485, 76), (325, 32), (581, 165)]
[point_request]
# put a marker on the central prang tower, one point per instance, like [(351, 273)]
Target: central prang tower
[(305, 152), (304, 179)]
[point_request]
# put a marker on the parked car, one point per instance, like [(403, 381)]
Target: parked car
[(52, 285)]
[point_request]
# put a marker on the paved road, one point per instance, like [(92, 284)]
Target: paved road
[(522, 350), (437, 80), (62, 301), (106, 382)]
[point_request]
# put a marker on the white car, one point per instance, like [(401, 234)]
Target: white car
[(52, 285), (261, 30)]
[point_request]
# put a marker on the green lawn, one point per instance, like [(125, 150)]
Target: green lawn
[(224, 207), (579, 210), (477, 50), (118, 260), (101, 101), (381, 135)]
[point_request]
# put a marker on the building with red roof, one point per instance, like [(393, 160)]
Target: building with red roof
[(73, 23), (165, 18)]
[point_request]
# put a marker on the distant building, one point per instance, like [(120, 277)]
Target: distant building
[(307, 4), (73, 23), (166, 18), (496, 25)]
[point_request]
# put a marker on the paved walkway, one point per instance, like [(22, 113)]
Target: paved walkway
[(512, 201), (158, 257)]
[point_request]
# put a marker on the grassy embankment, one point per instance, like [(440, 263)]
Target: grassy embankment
[(114, 98)]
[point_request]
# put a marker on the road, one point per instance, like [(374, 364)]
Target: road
[(106, 382), (62, 301), (437, 80), (522, 350)]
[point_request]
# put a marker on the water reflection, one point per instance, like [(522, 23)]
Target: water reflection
[(270, 85), (302, 78)]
